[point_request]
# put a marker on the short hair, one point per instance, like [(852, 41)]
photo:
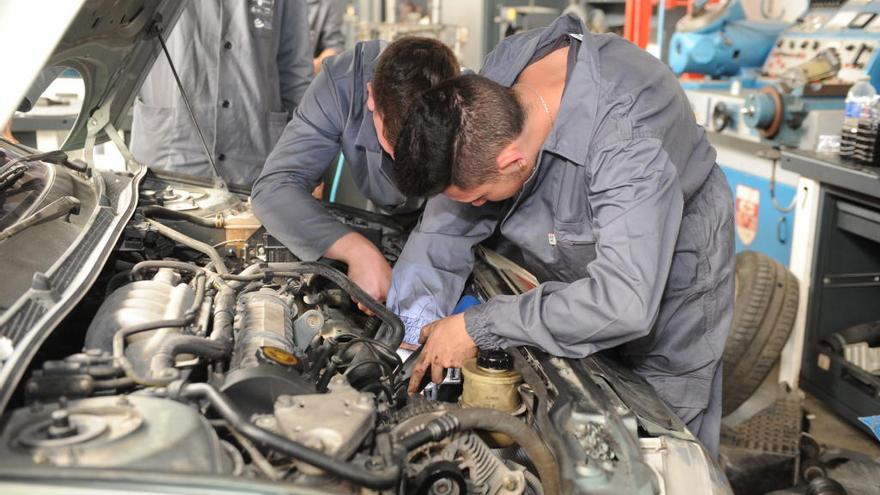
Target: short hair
[(406, 68), (453, 134)]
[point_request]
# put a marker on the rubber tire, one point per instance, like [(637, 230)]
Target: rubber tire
[(763, 317)]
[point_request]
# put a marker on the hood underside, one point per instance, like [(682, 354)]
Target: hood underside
[(112, 44)]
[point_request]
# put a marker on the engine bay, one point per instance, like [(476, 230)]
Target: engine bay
[(194, 354)]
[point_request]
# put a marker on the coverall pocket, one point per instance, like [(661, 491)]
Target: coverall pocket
[(575, 249)]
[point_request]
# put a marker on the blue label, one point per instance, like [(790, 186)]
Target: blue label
[(853, 109), (872, 422)]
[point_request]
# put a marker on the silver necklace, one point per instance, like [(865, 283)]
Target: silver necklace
[(543, 102)]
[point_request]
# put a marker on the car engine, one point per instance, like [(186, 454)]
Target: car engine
[(185, 358)]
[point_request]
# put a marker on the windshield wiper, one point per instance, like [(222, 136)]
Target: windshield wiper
[(63, 206), (57, 157), (11, 176)]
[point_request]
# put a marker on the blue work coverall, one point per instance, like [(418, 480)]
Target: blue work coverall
[(627, 222)]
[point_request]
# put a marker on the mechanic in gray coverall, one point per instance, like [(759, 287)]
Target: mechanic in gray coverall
[(245, 65), (582, 151), (325, 25), (355, 105)]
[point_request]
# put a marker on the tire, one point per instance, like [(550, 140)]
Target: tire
[(763, 317)]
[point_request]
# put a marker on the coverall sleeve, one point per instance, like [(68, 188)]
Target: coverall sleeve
[(294, 58), (333, 38), (636, 204), (282, 195), (437, 260)]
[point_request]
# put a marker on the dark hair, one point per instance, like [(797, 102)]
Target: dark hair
[(406, 68), (453, 133)]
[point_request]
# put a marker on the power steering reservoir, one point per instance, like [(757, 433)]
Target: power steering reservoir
[(490, 381)]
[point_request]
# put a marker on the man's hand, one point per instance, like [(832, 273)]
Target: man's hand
[(367, 267), (7, 132), (445, 344)]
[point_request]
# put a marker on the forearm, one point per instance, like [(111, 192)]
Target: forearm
[(351, 248)]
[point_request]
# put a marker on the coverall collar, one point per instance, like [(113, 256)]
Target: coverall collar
[(577, 109)]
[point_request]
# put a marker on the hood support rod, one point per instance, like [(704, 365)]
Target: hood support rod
[(218, 179)]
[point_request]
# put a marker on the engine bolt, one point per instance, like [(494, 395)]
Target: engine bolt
[(286, 401), (587, 470), (61, 427), (441, 487), (315, 443), (40, 457), (510, 483)]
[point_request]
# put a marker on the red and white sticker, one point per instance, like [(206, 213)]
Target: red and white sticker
[(748, 204)]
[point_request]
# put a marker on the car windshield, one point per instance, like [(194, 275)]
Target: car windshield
[(18, 198)]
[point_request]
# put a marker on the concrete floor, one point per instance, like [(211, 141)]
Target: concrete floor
[(829, 429), (825, 426)]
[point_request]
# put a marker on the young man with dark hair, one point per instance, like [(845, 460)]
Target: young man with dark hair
[(581, 151), (356, 105)]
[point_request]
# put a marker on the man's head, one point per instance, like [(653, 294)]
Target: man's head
[(405, 69), (460, 138)]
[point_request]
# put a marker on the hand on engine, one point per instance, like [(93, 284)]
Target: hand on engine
[(367, 267), (445, 344)]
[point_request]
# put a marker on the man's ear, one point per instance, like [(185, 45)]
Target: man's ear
[(510, 159), (371, 105)]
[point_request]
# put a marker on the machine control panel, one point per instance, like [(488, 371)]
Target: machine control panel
[(855, 54)]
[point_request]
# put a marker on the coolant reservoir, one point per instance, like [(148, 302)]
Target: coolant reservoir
[(490, 381), (239, 227)]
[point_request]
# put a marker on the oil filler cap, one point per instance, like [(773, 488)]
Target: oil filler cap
[(494, 359)]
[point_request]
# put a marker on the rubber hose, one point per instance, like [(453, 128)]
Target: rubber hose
[(495, 421), (218, 345), (161, 212), (385, 478), (164, 358)]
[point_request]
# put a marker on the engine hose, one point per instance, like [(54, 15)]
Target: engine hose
[(392, 338), (162, 212), (162, 363), (217, 346), (156, 264), (380, 479), (493, 421), (188, 241)]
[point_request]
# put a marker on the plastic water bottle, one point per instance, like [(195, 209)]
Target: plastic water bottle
[(860, 96), (865, 152)]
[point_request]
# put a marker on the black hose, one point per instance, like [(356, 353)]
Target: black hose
[(162, 362), (162, 212), (112, 384), (495, 421), (380, 479), (217, 346)]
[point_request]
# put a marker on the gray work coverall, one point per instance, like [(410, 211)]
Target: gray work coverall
[(325, 25), (245, 65), (332, 116), (627, 222)]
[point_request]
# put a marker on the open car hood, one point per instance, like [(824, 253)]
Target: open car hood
[(112, 44)]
